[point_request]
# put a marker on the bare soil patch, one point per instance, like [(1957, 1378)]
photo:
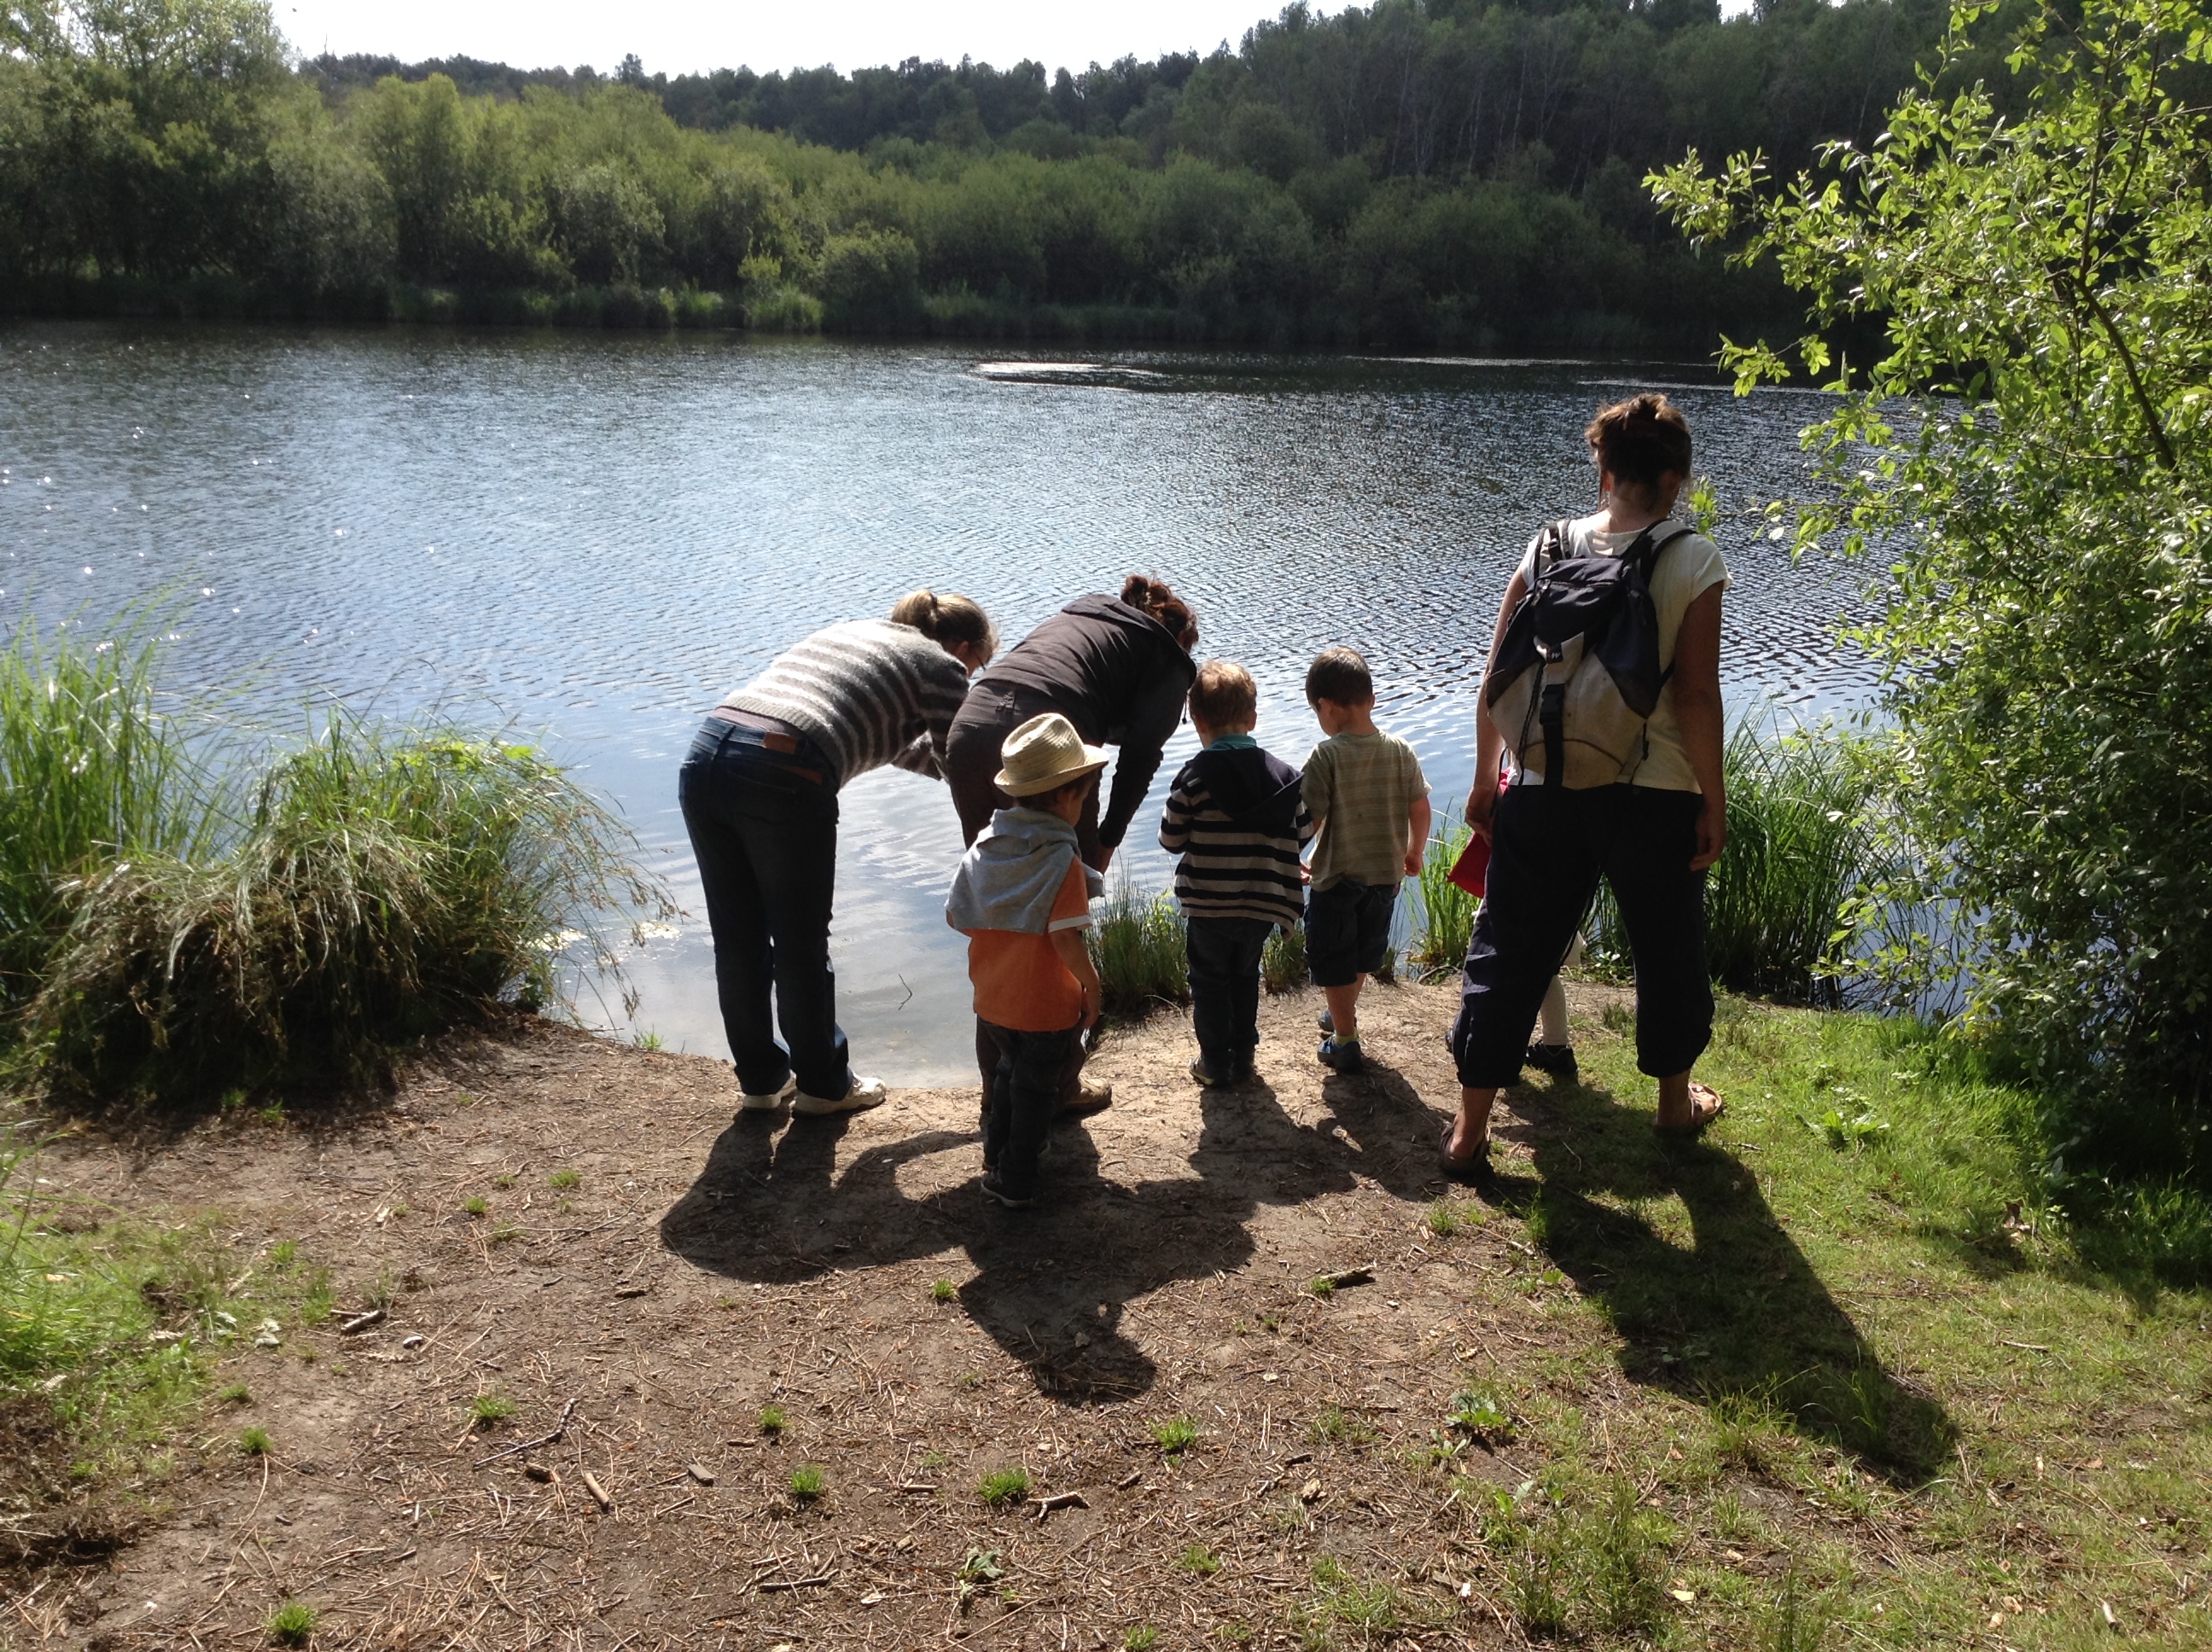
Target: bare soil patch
[(655, 1276)]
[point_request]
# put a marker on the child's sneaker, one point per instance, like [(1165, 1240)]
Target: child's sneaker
[(1211, 1077), (995, 1190), (1557, 1060), (1344, 1057)]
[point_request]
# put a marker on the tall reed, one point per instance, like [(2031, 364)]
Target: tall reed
[(382, 887), (90, 774), (1447, 910), (1138, 949), (1801, 844)]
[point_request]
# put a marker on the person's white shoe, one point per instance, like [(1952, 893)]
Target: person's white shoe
[(865, 1093), (771, 1102)]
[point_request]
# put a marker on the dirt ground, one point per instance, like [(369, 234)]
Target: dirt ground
[(698, 1270)]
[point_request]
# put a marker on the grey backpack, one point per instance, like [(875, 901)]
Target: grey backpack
[(1576, 676)]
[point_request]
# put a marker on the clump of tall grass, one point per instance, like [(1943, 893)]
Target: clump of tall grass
[(1282, 961), (1447, 910), (90, 774), (1801, 844), (381, 886), (1138, 949)]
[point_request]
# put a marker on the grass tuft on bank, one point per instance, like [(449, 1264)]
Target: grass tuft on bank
[(182, 921)]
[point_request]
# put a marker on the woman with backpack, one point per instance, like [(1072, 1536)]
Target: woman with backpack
[(1604, 697)]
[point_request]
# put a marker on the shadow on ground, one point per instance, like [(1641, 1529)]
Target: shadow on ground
[(1740, 1317), (1052, 1282)]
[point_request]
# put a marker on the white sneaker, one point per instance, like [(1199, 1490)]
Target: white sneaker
[(771, 1102), (864, 1094)]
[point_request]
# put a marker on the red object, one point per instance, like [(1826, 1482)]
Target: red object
[(1471, 871)]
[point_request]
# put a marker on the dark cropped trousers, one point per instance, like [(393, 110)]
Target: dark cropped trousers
[(1549, 846)]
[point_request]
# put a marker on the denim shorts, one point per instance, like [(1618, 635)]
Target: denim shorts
[(1348, 930)]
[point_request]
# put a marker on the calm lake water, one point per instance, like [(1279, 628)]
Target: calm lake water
[(591, 537)]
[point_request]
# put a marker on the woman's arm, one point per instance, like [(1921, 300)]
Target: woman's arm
[(1489, 744), (1152, 722), (1696, 686)]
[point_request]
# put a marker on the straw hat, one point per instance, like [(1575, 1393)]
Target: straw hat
[(1045, 754)]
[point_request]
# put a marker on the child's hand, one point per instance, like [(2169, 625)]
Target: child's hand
[(1305, 872), (1414, 862)]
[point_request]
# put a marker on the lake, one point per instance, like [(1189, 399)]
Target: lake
[(591, 538)]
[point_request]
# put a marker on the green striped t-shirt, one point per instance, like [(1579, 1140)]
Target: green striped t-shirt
[(1360, 788)]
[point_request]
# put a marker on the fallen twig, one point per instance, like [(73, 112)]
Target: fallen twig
[(532, 1445)]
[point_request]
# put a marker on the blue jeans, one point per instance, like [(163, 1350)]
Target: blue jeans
[(1225, 987), (763, 826)]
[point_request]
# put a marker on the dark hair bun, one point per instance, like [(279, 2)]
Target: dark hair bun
[(1158, 598)]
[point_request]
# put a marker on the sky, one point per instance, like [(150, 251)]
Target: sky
[(681, 35)]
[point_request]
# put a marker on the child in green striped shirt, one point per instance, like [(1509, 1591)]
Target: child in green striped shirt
[(1366, 792)]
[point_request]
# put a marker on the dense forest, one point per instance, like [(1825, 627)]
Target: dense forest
[(1420, 172)]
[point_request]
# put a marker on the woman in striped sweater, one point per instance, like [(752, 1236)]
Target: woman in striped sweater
[(759, 793)]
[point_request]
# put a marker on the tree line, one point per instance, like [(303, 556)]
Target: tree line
[(1418, 172)]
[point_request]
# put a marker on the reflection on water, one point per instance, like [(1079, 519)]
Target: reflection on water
[(592, 537)]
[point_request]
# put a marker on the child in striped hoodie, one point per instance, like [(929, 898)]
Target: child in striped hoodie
[(1237, 817)]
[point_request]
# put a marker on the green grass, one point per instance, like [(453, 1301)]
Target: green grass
[(1283, 961), (1142, 1638), (84, 1294), (1138, 947), (1174, 1435), (771, 1420), (187, 928), (808, 1481), (253, 1441), (1200, 1561), (486, 1409), (1830, 1342), (563, 1179), (291, 1623), (476, 1204), (90, 774), (943, 1290), (1446, 916), (1334, 1425), (1003, 1486), (1346, 1608)]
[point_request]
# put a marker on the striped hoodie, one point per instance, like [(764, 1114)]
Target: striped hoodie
[(1236, 817), (867, 692)]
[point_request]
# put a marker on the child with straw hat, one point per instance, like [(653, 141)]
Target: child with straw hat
[(1023, 898)]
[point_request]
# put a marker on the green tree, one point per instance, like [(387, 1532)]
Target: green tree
[(2032, 455)]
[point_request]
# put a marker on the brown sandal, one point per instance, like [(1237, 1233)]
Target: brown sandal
[(1475, 1170), (1705, 1106)]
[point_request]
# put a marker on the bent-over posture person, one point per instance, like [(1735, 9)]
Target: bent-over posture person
[(759, 791), (1119, 669), (1600, 787)]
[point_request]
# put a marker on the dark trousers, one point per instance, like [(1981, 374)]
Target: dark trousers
[(1029, 1071), (766, 837), (1225, 987), (972, 759), (1549, 846)]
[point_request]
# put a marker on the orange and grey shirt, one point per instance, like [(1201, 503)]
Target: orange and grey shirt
[(1020, 981), (1020, 884)]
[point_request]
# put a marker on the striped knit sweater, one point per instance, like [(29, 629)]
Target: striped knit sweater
[(867, 692), (1236, 817)]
